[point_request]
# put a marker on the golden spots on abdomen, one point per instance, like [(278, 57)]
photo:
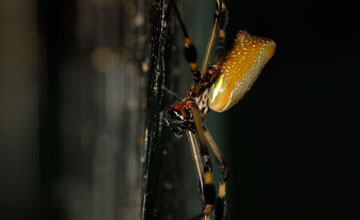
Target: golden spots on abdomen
[(239, 69)]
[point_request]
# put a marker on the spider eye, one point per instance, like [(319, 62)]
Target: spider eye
[(173, 118), (176, 115)]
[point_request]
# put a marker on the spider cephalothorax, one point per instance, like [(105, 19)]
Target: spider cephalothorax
[(179, 117)]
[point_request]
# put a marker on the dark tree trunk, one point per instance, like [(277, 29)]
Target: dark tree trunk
[(90, 95)]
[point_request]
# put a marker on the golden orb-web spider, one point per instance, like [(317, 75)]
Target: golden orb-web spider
[(218, 87)]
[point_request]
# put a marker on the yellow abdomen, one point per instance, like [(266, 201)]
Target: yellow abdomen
[(239, 70)]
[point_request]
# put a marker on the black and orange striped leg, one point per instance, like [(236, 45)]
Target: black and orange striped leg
[(223, 21), (209, 188), (190, 49), (220, 209)]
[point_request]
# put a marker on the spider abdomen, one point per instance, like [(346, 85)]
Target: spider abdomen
[(239, 70)]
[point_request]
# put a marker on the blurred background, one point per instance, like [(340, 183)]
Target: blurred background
[(82, 95)]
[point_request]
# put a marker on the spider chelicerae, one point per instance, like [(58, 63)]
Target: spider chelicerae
[(218, 87)]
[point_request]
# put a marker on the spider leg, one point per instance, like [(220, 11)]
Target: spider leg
[(197, 160), (210, 45), (221, 37), (190, 49), (220, 208), (209, 188)]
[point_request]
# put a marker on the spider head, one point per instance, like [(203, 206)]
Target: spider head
[(178, 118)]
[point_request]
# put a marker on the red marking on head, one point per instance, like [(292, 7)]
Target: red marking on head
[(177, 107)]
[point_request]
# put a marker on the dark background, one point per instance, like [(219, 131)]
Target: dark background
[(71, 129), (293, 138)]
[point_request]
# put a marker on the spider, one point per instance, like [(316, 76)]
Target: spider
[(219, 87)]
